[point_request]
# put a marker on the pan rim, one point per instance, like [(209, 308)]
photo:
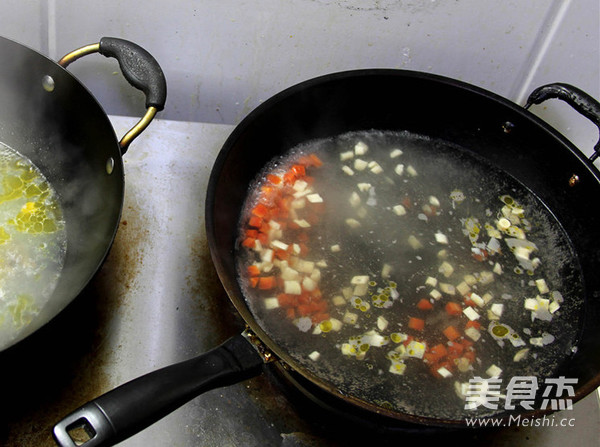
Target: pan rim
[(230, 284)]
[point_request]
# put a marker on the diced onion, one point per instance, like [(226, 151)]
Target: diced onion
[(399, 210), (314, 355), (344, 156), (431, 281), (441, 238), (271, 303), (493, 371), (444, 372), (360, 148), (360, 165), (292, 287), (314, 198), (471, 313)]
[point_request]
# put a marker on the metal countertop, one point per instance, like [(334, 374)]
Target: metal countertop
[(157, 300)]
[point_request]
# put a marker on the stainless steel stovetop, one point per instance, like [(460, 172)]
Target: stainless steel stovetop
[(157, 300)]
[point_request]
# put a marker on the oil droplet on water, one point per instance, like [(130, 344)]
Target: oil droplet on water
[(32, 243)]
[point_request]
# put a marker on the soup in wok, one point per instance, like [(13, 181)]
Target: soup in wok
[(406, 270), (32, 243)]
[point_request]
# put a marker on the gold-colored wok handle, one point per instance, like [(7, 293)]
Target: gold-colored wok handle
[(76, 54), (140, 69)]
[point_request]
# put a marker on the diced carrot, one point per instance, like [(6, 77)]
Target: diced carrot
[(251, 233), (254, 281), (255, 222), (287, 300), (302, 237), (315, 160), (430, 357), (249, 242), (290, 313), (283, 213), (418, 324), (303, 249), (266, 282), (451, 333), (455, 349), (284, 202), (260, 210), (264, 227), (304, 298), (474, 324), (453, 308), (275, 179), (253, 270), (282, 254), (469, 302), (263, 238), (466, 343), (303, 310), (424, 304), (280, 282), (310, 160), (267, 191), (440, 350), (318, 306), (434, 366), (316, 294), (481, 255), (298, 170), (289, 178)]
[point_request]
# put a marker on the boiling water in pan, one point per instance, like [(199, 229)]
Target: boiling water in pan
[(32, 243), (398, 268)]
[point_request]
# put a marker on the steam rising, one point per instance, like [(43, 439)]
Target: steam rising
[(64, 132)]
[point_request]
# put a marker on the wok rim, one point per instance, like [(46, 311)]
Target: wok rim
[(45, 317), (236, 296)]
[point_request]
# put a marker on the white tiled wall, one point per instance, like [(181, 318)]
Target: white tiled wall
[(223, 57)]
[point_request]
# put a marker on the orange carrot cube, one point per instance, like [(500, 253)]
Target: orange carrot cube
[(453, 308), (418, 324), (424, 304), (451, 333)]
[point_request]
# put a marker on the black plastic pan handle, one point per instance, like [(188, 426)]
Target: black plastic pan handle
[(576, 98), (137, 404), (139, 68)]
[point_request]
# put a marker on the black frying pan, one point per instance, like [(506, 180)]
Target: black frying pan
[(504, 134), (48, 116)]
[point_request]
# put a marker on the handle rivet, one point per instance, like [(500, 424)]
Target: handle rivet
[(48, 83), (574, 180), (110, 165)]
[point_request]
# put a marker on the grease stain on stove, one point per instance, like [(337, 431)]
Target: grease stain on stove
[(64, 364), (210, 304)]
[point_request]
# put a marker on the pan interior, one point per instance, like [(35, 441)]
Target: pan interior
[(32, 243), (407, 218)]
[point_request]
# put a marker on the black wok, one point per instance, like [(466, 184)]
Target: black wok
[(48, 116), (504, 134)]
